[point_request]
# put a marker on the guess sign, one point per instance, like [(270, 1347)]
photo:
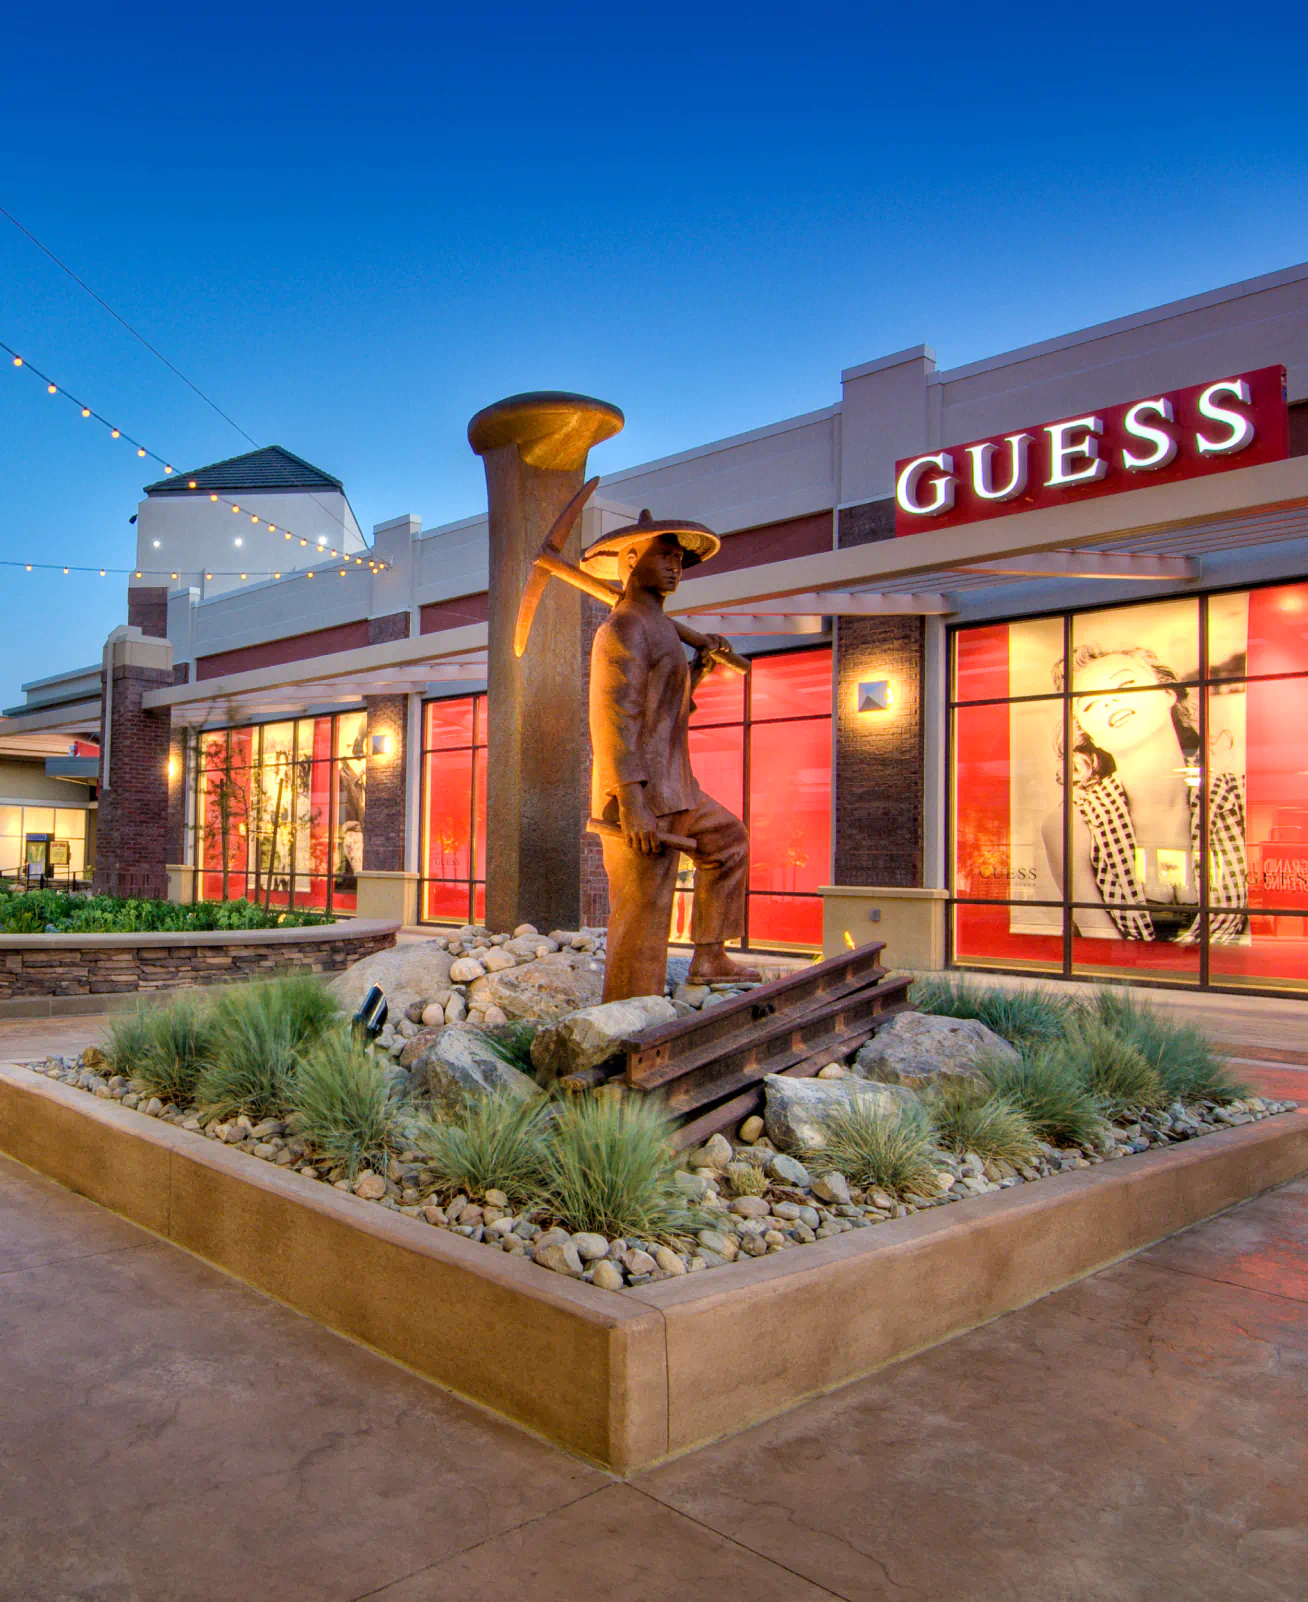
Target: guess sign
[(1184, 433)]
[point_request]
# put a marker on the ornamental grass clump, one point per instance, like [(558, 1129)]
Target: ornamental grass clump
[(608, 1168), (165, 1049), (1114, 1070), (254, 1057), (493, 1143), (1050, 1091), (341, 1102), (1182, 1055), (746, 1179), (1025, 1018), (877, 1150), (969, 1118)]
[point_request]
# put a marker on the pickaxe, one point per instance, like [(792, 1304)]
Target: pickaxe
[(549, 564)]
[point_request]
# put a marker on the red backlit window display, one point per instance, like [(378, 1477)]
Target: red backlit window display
[(1150, 818), (453, 810), (280, 812)]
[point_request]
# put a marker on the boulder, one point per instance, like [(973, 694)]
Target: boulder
[(460, 1064), (918, 1049), (465, 969), (592, 1035), (405, 974), (546, 990), (797, 1110), (413, 1049)]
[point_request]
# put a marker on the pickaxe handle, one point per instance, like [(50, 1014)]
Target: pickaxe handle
[(613, 831), (611, 596)]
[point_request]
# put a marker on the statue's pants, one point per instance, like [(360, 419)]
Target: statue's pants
[(641, 889)]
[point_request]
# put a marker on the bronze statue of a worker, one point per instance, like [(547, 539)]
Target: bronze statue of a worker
[(640, 690)]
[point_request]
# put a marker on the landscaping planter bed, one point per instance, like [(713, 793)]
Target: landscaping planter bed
[(628, 1378)]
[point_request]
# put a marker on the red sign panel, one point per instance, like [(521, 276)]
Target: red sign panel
[(1241, 421)]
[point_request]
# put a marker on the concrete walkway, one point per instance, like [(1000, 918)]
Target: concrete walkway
[(168, 1435)]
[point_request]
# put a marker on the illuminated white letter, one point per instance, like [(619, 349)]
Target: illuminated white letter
[(982, 484), (1062, 451), (942, 486), (1163, 443), (1242, 429)]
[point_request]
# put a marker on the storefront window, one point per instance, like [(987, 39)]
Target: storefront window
[(1131, 803), (279, 812), (454, 810), (761, 745), (46, 844)]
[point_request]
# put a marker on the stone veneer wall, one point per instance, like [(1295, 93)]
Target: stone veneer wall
[(103, 965), (880, 777)]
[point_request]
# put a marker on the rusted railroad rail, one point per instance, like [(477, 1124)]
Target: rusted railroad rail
[(709, 1067)]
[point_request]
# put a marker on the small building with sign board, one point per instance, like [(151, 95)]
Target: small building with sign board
[(1030, 645)]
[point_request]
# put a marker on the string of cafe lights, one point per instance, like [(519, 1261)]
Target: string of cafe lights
[(52, 388)]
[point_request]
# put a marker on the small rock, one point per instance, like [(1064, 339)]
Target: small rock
[(152, 1108), (693, 1186), (562, 1256), (465, 970), (265, 1151), (590, 1246), (494, 1016), (833, 1187), (833, 1070), (751, 1207), (525, 929), (713, 1240), (433, 1014), (668, 1260), (498, 960), (789, 1170), (715, 1153), (496, 1198), (751, 1129), (636, 1261), (370, 1186), (693, 995), (606, 1275)]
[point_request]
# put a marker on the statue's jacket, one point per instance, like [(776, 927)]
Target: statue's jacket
[(640, 713)]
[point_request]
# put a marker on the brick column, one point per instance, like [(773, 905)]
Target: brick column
[(133, 835), (879, 755), (147, 609), (385, 791)]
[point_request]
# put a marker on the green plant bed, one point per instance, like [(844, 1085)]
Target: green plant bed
[(58, 912)]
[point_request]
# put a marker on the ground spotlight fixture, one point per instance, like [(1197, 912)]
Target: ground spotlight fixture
[(371, 1016)]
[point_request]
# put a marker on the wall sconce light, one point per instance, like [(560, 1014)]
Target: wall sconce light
[(874, 695), (381, 745), (172, 769)]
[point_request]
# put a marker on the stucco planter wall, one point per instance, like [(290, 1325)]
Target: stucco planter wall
[(77, 966), (629, 1377)]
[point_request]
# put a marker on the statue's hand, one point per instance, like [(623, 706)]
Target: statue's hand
[(640, 828)]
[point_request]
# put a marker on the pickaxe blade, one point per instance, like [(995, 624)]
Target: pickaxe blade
[(539, 577)]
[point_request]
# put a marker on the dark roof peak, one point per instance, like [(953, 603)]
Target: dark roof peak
[(271, 468)]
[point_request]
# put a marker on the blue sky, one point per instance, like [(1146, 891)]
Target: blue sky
[(353, 227)]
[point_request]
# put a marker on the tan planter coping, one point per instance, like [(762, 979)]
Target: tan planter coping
[(627, 1378), (347, 929), (883, 892)]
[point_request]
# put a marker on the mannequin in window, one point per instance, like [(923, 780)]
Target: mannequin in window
[(1135, 774)]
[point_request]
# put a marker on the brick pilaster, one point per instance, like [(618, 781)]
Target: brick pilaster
[(879, 755), (133, 828), (147, 609), (385, 791)]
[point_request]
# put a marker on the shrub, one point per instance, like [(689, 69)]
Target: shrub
[(341, 1102), (177, 1042), (1182, 1055), (1027, 1017), (746, 1179), (1049, 1090), (1114, 1071), (991, 1126), (494, 1143), (878, 1150), (608, 1167), (30, 911)]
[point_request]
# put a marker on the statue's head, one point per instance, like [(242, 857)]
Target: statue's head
[(658, 552)]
